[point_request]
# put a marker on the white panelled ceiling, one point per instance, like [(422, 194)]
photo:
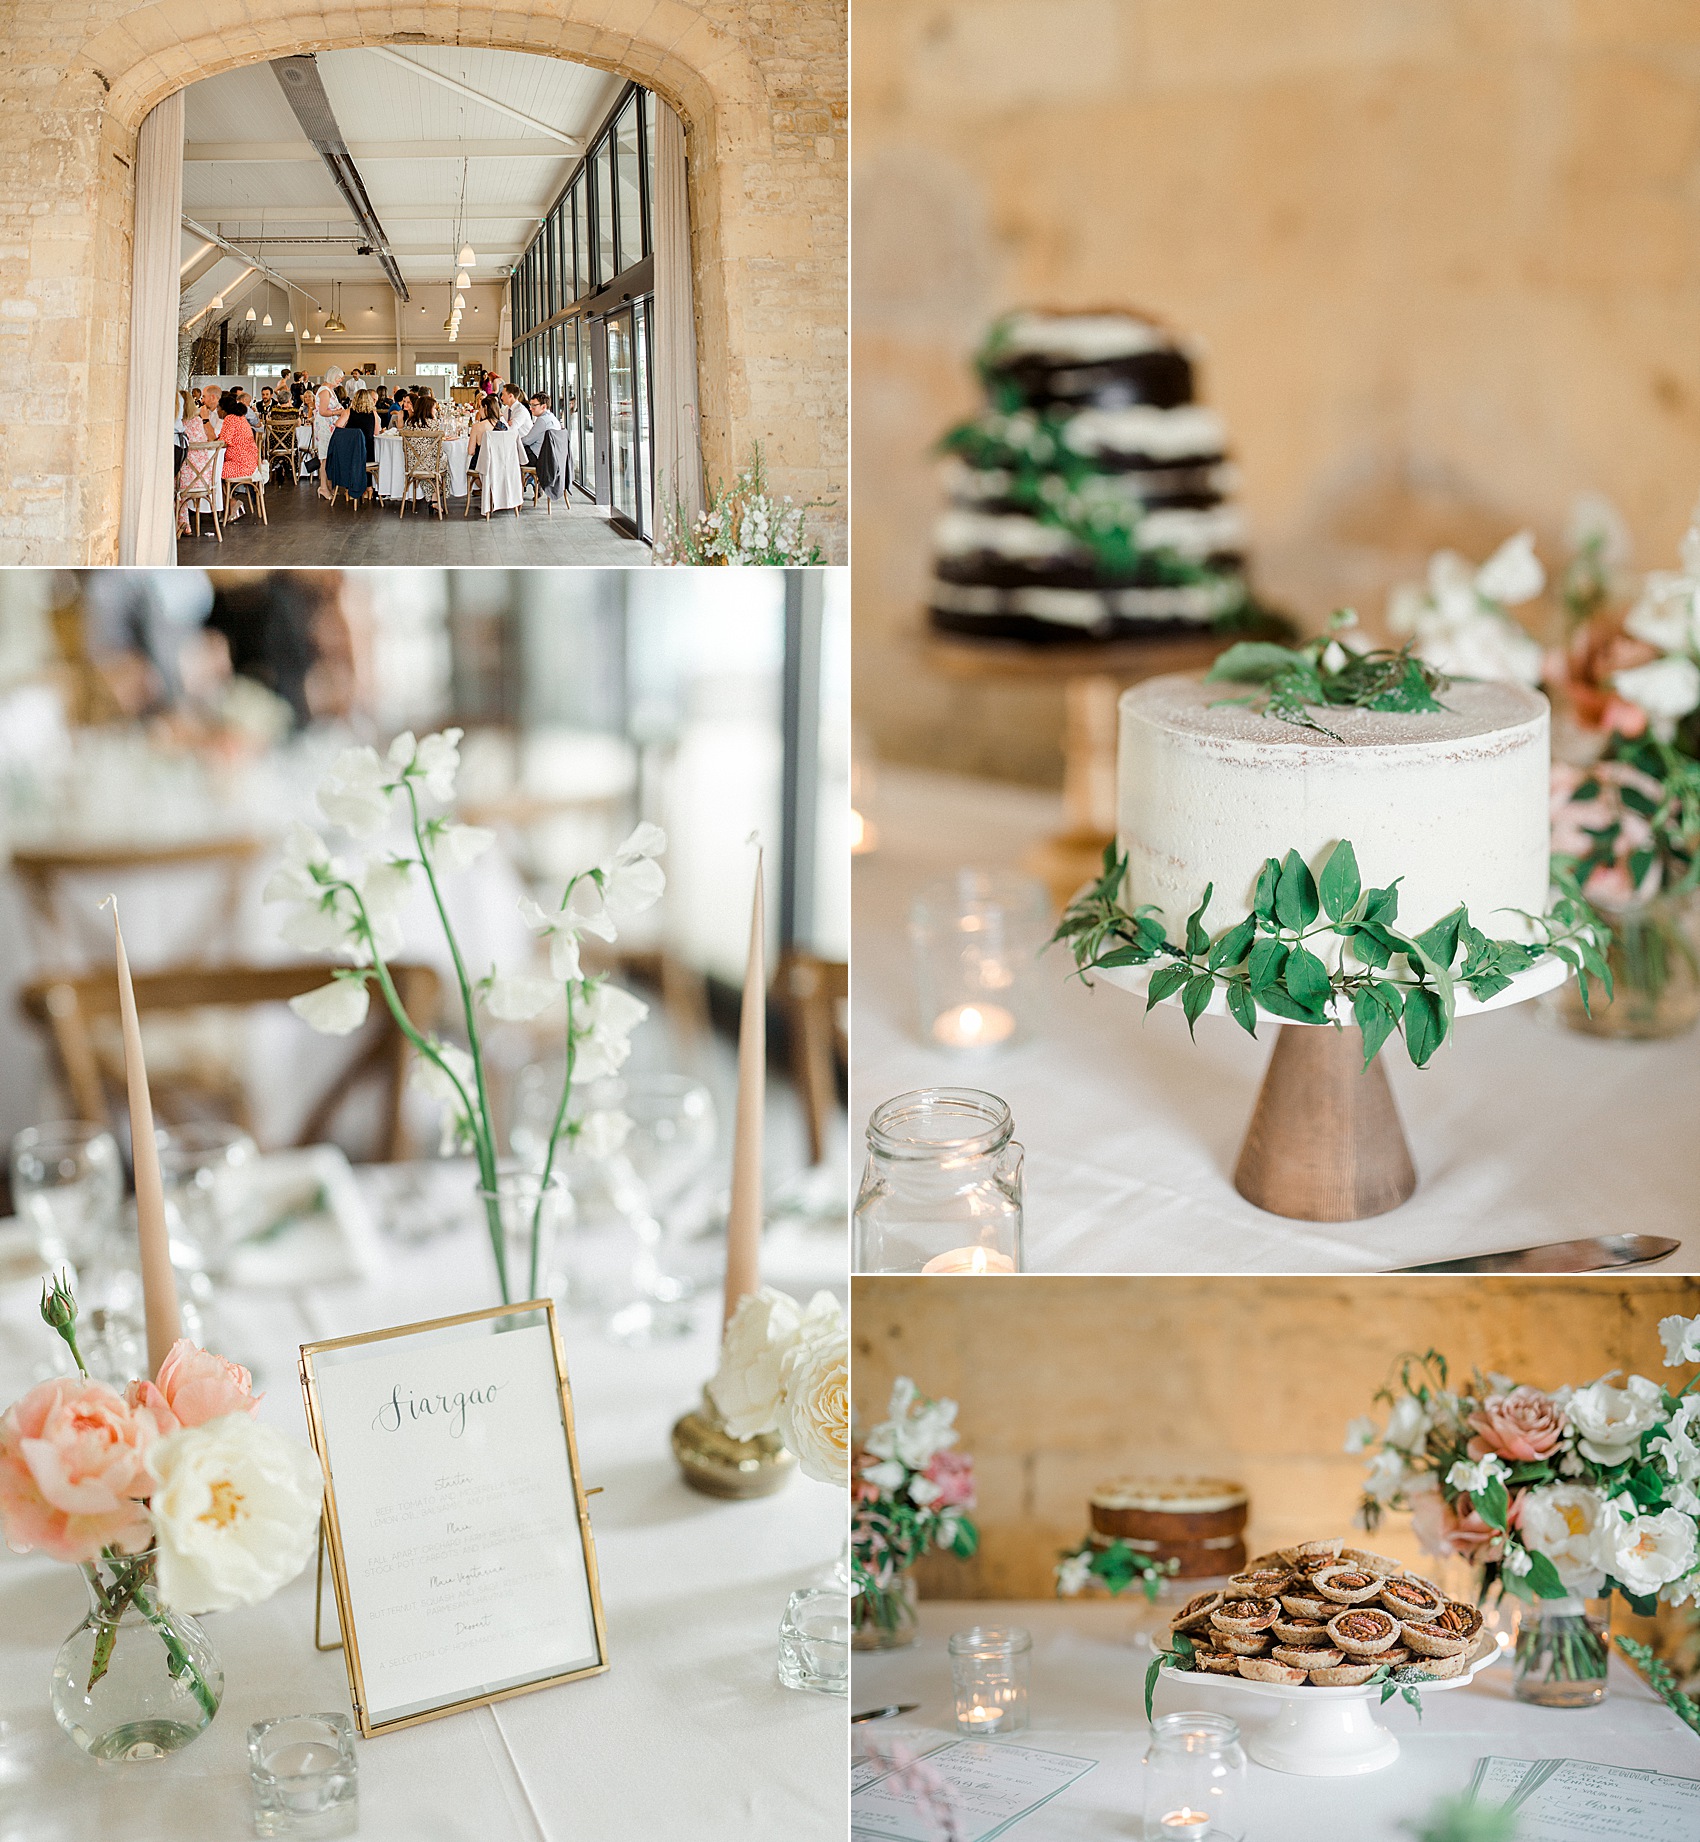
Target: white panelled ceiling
[(251, 176)]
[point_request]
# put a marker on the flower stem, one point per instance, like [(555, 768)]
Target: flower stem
[(554, 1139)]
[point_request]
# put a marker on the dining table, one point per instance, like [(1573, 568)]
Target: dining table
[(1523, 1130), (1086, 1701), (392, 464), (688, 1733)]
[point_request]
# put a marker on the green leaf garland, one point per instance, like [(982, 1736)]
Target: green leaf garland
[(1293, 681)]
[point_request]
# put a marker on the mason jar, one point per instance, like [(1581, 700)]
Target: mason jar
[(941, 1192), (1195, 1780)]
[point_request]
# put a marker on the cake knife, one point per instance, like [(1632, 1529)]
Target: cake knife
[(1591, 1255), (900, 1707)]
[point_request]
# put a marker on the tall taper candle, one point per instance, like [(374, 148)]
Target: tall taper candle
[(743, 1221), (159, 1282)]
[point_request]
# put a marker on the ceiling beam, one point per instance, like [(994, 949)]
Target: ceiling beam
[(302, 153), (247, 221), (568, 141), (235, 249)]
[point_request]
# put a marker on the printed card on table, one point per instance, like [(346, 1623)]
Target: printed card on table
[(455, 1516), (988, 1787)]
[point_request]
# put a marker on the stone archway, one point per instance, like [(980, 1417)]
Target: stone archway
[(762, 92)]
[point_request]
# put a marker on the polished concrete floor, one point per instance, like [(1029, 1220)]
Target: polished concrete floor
[(302, 529)]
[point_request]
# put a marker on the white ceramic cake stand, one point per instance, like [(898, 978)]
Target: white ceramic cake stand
[(1325, 1143), (1330, 1732)]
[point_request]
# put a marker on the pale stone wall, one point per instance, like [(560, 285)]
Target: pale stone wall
[(1443, 257), (1064, 1383), (760, 85)]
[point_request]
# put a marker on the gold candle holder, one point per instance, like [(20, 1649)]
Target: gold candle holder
[(718, 1465)]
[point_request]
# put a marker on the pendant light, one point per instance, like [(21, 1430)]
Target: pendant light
[(268, 319), (463, 280), (335, 324), (467, 258), (250, 315)]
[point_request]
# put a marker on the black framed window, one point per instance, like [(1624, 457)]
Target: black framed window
[(628, 189)]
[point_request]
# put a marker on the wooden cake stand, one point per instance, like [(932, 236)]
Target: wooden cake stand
[(1325, 1143)]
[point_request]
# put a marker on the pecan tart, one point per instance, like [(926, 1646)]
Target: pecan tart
[(1345, 1675), (1371, 1563), (1411, 1602), (1261, 1669), (1245, 1617), (1317, 1553), (1364, 1631), (1307, 1657), (1233, 1642), (1260, 1582), (1195, 1614), (1436, 1669), (1346, 1584), (1450, 1634), (1217, 1662), (1301, 1630), (1307, 1604)]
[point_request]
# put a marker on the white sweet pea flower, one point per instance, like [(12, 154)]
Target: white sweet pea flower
[(1667, 689), (1567, 1523), (1361, 1434), (438, 762), (623, 887), (1516, 1560), (1074, 1573), (1408, 1424), (1609, 1421), (602, 1028), (1385, 1477), (458, 847), (337, 1009), (916, 1429), (922, 1490), (520, 996), (602, 1133), (235, 1512), (1596, 523), (324, 925), (1667, 614), (1473, 1475), (294, 879), (1681, 1338), (888, 1474), (356, 792), (1456, 628), (1647, 1553), (563, 940), (431, 1080), (384, 891), (1513, 573)]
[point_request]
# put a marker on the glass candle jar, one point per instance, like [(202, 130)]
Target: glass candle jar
[(941, 1192), (1195, 1780), (989, 1666), (304, 1777), (975, 938)]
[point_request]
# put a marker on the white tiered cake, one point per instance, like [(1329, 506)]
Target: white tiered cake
[(1451, 802)]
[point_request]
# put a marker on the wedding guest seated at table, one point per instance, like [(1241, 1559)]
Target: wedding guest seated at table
[(363, 415), (268, 400), (422, 410), (241, 451), (385, 402), (399, 408), (514, 412), (543, 418), (484, 418)]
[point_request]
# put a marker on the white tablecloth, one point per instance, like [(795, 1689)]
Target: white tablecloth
[(1522, 1131), (1088, 1698), (392, 465), (687, 1735)]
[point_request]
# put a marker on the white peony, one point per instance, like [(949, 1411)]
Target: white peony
[(1681, 1337), (1568, 1523), (816, 1419), (519, 997), (1609, 1421), (460, 846), (337, 1009), (603, 1133), (1645, 1553), (1513, 573), (355, 794), (235, 1512), (1667, 689), (749, 1385)]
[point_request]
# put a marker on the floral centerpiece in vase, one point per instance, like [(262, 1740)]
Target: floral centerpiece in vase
[(173, 1500), (1556, 1498), (352, 905), (910, 1492), (743, 526)]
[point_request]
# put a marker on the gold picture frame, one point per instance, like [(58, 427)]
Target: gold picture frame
[(331, 1530)]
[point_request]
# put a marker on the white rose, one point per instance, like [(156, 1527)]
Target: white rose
[(816, 1420), (1408, 1424), (749, 1387), (1609, 1421), (1645, 1553), (460, 846), (1681, 1338), (1666, 689), (1513, 573), (603, 1133), (337, 1009), (520, 997), (1567, 1523), (1074, 1571), (355, 794), (235, 1514)]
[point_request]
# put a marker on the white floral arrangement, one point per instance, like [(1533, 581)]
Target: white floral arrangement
[(1460, 620), (352, 904), (785, 1370), (744, 526)]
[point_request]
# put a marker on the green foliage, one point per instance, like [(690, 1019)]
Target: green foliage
[(1179, 1654), (1294, 681), (1118, 1566), (1461, 1819), (1387, 981), (1661, 1681)]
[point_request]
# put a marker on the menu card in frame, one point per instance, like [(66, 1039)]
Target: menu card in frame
[(455, 1515)]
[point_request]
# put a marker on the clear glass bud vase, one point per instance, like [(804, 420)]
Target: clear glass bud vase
[(885, 1617), (1562, 1651), (134, 1680)]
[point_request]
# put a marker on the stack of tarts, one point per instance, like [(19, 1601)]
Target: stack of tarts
[(1329, 1616)]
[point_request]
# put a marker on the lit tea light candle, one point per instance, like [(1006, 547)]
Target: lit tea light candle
[(987, 1719), (970, 1260), (1187, 1822), (973, 1026)]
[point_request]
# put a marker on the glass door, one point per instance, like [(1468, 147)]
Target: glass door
[(624, 497)]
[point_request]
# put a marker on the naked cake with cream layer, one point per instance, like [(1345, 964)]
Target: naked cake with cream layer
[(1451, 802), (1196, 1523)]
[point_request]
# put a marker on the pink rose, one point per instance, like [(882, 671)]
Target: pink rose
[(954, 1475), (1444, 1528), (1521, 1426), (192, 1387), (73, 1471)]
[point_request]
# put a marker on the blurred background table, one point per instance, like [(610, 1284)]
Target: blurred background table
[(1522, 1131), (693, 1590), (1088, 1699)]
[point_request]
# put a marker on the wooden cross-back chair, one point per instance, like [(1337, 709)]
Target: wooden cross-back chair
[(815, 993), (64, 939), (71, 1010)]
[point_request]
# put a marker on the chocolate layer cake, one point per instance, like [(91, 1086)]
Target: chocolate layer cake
[(1092, 498)]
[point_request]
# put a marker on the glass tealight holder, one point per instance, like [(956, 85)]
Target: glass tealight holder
[(304, 1776), (989, 1666), (941, 1192), (814, 1640), (976, 939), (1195, 1780)]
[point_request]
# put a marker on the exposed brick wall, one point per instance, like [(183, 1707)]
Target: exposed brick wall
[(760, 84)]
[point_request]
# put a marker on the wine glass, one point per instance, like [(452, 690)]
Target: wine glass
[(204, 1164), (665, 1155), (67, 1184)]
